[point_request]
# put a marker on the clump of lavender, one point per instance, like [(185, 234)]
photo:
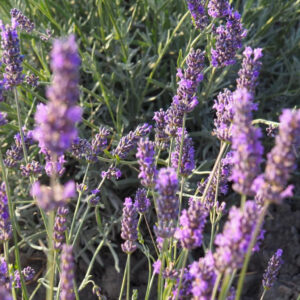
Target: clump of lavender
[(141, 201), (146, 159), (129, 226), (204, 277), (281, 161), (11, 57), (67, 273), (192, 222), (247, 148), (224, 108), (28, 274), (82, 149), (5, 224), (32, 80), (5, 279), (161, 137), (99, 142), (112, 172), (187, 163), (32, 168), (197, 9), (272, 271), (129, 141), (185, 100), (249, 72), (55, 130), (3, 119), (228, 40), (233, 242), (60, 226), (167, 202), (21, 21), (218, 8), (221, 178), (51, 198), (186, 286)]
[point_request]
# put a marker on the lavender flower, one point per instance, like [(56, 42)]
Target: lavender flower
[(218, 8), (5, 279), (28, 274), (272, 270), (271, 129), (11, 56), (1, 89), (204, 277), (281, 161), (3, 119), (192, 222), (82, 149), (146, 159), (51, 198), (112, 172), (224, 108), (167, 202), (196, 7), (54, 167), (249, 72), (5, 224), (81, 187), (21, 21), (161, 137), (223, 175), (55, 130), (174, 119), (129, 226), (67, 273), (99, 142), (141, 201), (32, 168), (60, 226), (232, 244), (129, 141), (228, 40), (13, 156), (4, 294), (187, 163), (95, 197), (32, 80), (186, 286), (247, 149)]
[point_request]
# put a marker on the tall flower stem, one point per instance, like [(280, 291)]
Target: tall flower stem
[(152, 238), (14, 226), (128, 278), (170, 151), (263, 294), (124, 279), (6, 255), (50, 258), (207, 91), (185, 256), (250, 247), (78, 202), (216, 286)]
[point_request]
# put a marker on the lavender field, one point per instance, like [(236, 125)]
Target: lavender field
[(149, 149)]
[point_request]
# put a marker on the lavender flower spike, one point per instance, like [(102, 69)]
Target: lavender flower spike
[(60, 227), (188, 152), (4, 294), (167, 202), (3, 119), (233, 243), (22, 21), (129, 226), (141, 201), (192, 223), (249, 72), (5, 224), (281, 161), (99, 142), (67, 273), (161, 137), (146, 160), (55, 130), (272, 270), (196, 7), (218, 8), (247, 149)]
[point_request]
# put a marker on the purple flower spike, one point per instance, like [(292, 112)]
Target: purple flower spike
[(67, 273), (141, 202), (32, 168), (32, 80), (60, 227), (161, 137), (28, 274), (112, 172), (129, 226), (247, 148), (3, 119), (228, 41), (4, 294), (192, 223), (196, 7), (187, 159), (218, 8), (11, 57), (281, 161), (55, 130), (1, 89), (146, 159), (249, 72), (99, 142), (5, 224), (233, 243), (167, 202), (21, 21), (273, 269)]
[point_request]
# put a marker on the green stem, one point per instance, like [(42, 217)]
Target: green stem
[(249, 251), (216, 286), (186, 252), (124, 279), (50, 264), (128, 278), (170, 151), (152, 238), (78, 202), (150, 283), (263, 294), (243, 200), (6, 255), (207, 92)]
